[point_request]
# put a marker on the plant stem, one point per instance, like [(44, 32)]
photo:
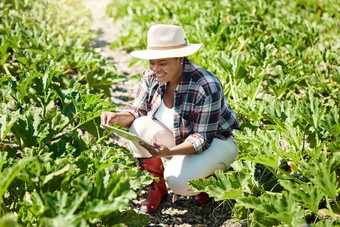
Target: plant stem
[(242, 45), (257, 89), (287, 174), (232, 89), (330, 208), (6, 69)]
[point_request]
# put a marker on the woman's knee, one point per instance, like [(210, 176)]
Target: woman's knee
[(153, 130), (140, 125), (179, 186)]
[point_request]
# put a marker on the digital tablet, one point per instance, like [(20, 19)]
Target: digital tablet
[(126, 135)]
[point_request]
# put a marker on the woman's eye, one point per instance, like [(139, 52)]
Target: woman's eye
[(162, 64)]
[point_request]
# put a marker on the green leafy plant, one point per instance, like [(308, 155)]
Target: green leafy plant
[(56, 166)]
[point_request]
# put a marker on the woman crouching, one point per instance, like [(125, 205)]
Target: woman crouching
[(180, 108)]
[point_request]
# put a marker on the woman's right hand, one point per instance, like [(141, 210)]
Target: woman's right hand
[(109, 118), (124, 119)]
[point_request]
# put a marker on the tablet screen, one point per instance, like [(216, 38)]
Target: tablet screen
[(126, 135)]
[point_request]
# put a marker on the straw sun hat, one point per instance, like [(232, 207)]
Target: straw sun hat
[(166, 41)]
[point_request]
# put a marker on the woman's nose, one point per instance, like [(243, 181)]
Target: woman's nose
[(155, 68)]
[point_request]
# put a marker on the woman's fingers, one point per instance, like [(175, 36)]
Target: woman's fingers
[(150, 148), (146, 146), (103, 118), (157, 150), (156, 145), (108, 118)]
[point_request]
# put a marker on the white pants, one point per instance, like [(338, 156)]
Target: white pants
[(183, 168)]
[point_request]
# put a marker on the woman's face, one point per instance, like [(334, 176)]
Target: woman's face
[(167, 69)]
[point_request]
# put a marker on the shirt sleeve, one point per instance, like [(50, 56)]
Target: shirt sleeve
[(139, 107), (205, 121)]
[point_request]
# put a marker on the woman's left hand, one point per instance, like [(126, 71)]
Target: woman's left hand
[(157, 150)]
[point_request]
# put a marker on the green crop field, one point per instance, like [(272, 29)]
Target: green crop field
[(278, 61)]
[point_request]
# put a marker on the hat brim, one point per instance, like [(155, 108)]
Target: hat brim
[(167, 53)]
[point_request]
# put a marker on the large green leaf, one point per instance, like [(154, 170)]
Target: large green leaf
[(281, 207), (30, 128), (57, 178), (6, 123), (313, 110), (8, 174), (225, 186), (305, 194), (62, 204), (326, 181), (262, 220), (270, 160), (331, 122), (58, 221), (85, 108), (129, 218), (8, 220)]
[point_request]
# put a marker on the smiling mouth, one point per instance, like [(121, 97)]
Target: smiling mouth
[(160, 75)]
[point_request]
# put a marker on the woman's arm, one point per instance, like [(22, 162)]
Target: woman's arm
[(137, 108), (185, 148)]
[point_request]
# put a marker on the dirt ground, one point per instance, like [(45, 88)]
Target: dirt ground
[(184, 212)]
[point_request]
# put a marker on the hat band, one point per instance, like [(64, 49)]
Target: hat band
[(166, 47)]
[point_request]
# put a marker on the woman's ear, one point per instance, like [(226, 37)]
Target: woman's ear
[(181, 60)]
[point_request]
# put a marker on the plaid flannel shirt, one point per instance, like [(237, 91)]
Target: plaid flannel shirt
[(201, 110)]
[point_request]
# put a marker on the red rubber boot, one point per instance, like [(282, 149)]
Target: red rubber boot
[(157, 190), (203, 197)]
